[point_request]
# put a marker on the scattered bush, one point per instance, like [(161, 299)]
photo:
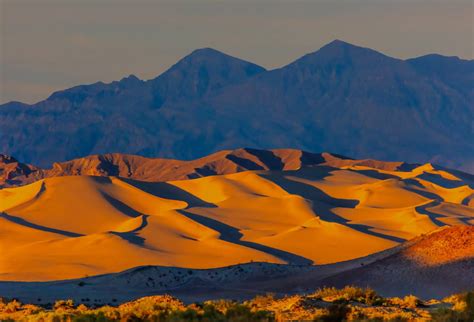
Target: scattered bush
[(328, 304), (462, 308), (63, 305), (409, 302), (349, 293), (12, 306), (336, 312)]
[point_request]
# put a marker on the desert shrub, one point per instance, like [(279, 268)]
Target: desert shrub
[(242, 313), (325, 292), (211, 314), (412, 301), (383, 313), (82, 307), (110, 313), (355, 315), (90, 317), (151, 308), (446, 315), (336, 312), (262, 300), (409, 302), (470, 304), (189, 314), (347, 304), (52, 317), (462, 309), (349, 293), (130, 317), (12, 306), (221, 305), (464, 302), (63, 305)]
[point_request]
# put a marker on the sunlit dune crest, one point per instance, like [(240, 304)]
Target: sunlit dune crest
[(292, 208), (14, 172)]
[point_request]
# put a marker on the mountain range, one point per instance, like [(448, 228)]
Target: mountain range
[(342, 98)]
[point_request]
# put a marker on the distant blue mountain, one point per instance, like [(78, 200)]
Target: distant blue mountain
[(342, 98)]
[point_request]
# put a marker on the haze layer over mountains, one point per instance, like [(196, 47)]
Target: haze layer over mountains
[(342, 98)]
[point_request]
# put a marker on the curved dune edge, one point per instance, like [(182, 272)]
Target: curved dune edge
[(72, 226), (394, 272), (16, 173)]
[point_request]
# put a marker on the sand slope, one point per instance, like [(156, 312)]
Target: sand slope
[(72, 226), (15, 173), (430, 266)]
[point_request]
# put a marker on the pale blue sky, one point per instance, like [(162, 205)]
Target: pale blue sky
[(49, 45)]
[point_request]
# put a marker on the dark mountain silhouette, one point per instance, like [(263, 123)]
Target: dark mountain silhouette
[(342, 98)]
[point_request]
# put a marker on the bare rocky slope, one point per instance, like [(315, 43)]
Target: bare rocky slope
[(430, 265)]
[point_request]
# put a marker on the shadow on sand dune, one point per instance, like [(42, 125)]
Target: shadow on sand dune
[(322, 204), (244, 163), (375, 174), (120, 206), (415, 186), (424, 209), (168, 191), (308, 173), (21, 221), (233, 235), (433, 216), (441, 181), (132, 236), (268, 158)]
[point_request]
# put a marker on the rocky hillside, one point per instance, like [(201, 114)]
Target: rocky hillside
[(430, 265)]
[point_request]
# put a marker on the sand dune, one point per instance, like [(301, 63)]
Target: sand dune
[(430, 266), (71, 226), (14, 173)]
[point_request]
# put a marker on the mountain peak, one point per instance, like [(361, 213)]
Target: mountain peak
[(213, 57), (337, 45), (210, 59), (339, 51), (202, 71), (130, 78), (206, 51)]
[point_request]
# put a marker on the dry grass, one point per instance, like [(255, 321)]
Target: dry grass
[(327, 304)]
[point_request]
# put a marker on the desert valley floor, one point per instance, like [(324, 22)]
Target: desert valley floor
[(235, 224)]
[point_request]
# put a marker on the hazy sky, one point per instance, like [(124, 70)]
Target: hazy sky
[(50, 45)]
